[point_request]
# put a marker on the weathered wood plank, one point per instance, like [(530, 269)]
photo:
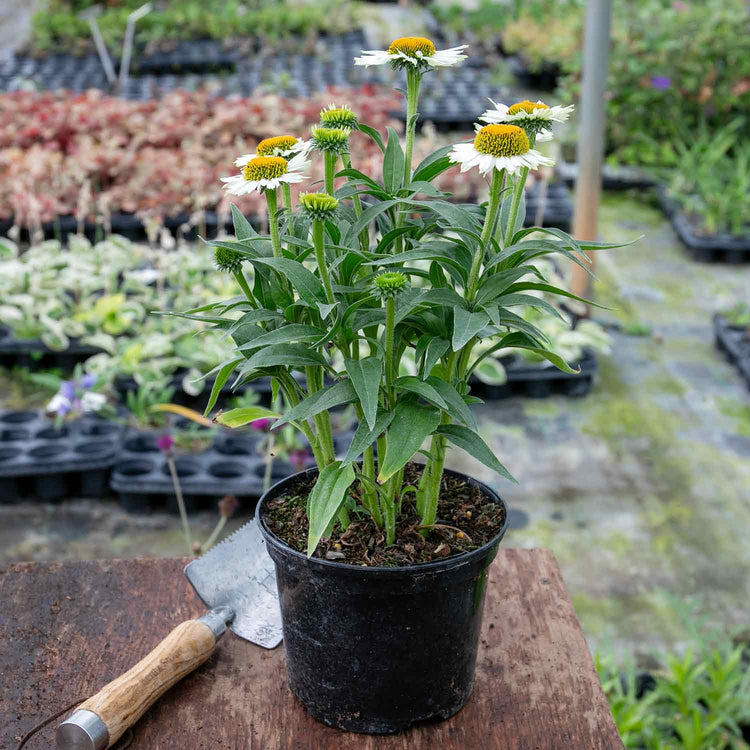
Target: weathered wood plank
[(69, 628)]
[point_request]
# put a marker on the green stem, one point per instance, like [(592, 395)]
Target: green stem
[(386, 498), (242, 281), (517, 193), (413, 78), (489, 223), (286, 196), (272, 199), (390, 321), (287, 383), (180, 502), (364, 235), (432, 490), (499, 227), (320, 255), (329, 161)]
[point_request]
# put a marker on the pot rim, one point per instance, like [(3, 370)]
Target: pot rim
[(425, 567)]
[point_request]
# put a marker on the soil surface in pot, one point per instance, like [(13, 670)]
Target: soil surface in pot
[(466, 519)]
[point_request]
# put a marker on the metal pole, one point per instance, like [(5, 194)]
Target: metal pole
[(90, 15), (591, 130), (127, 46)]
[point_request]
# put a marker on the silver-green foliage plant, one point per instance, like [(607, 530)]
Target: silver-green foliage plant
[(361, 276)]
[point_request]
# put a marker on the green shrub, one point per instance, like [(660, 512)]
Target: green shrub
[(674, 67)]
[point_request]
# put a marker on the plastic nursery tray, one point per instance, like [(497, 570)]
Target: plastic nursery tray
[(734, 341), (231, 465), (707, 248), (32, 353), (613, 178), (545, 79), (37, 460), (540, 382), (558, 206)]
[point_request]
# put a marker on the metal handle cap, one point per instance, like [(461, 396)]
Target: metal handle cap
[(83, 730)]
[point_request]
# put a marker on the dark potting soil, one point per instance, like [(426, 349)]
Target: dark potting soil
[(466, 520)]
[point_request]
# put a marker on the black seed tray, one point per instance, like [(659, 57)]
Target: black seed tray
[(195, 56), (613, 178), (540, 382), (716, 248), (558, 206), (545, 79), (39, 461), (734, 341), (232, 465), (33, 354)]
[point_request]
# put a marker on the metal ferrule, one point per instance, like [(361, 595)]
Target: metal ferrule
[(217, 620), (84, 730)]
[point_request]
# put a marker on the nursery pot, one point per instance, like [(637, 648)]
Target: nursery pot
[(377, 649)]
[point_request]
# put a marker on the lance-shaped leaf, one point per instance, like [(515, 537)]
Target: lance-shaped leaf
[(457, 407), (365, 377), (326, 499), (308, 285), (433, 165), (412, 423), (364, 437), (367, 216), (243, 230), (435, 349), (469, 441), (289, 355), (493, 286), (412, 384), (466, 325), (245, 415), (326, 398), (284, 335), (221, 378), (393, 163)]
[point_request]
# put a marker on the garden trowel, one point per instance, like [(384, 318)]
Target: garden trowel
[(237, 581)]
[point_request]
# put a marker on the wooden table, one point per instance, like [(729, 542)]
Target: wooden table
[(68, 628)]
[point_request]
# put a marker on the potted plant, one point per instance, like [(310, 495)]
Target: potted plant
[(382, 561)]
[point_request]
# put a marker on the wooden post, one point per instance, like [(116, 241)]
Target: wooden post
[(591, 131)]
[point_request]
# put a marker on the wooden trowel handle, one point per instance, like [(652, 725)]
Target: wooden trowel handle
[(120, 704)]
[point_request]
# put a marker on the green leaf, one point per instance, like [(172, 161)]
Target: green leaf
[(393, 163), (493, 286), (524, 285), (365, 377), (367, 130), (308, 285), (367, 216), (457, 407), (326, 499), (284, 335), (326, 398), (413, 384), (434, 164), (453, 256), (240, 417), (243, 230), (288, 355), (325, 309), (221, 378), (469, 441), (411, 425), (364, 437), (454, 215), (435, 349), (466, 325)]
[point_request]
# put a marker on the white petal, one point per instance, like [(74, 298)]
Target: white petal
[(544, 135), (241, 161), (373, 57)]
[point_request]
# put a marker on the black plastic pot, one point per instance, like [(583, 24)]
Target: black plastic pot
[(376, 650)]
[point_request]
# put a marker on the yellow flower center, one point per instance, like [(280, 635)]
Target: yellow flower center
[(411, 45), (526, 106), (501, 140), (269, 146), (264, 168)]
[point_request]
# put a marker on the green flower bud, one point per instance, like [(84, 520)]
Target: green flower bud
[(332, 140), (338, 117), (391, 284), (228, 260), (319, 206)]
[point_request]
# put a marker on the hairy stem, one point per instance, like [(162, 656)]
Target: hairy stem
[(329, 160), (272, 199), (320, 256), (513, 215), (489, 223), (413, 78), (390, 320), (242, 281)]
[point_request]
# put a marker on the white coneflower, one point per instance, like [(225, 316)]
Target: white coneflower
[(499, 147), (534, 117), (412, 51), (267, 173), (285, 146), (338, 117)]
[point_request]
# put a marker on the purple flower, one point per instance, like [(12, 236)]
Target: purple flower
[(165, 443), (62, 408), (88, 381), (298, 459), (661, 83), (68, 389), (261, 425)]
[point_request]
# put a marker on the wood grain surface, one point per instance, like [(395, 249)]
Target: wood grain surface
[(69, 628)]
